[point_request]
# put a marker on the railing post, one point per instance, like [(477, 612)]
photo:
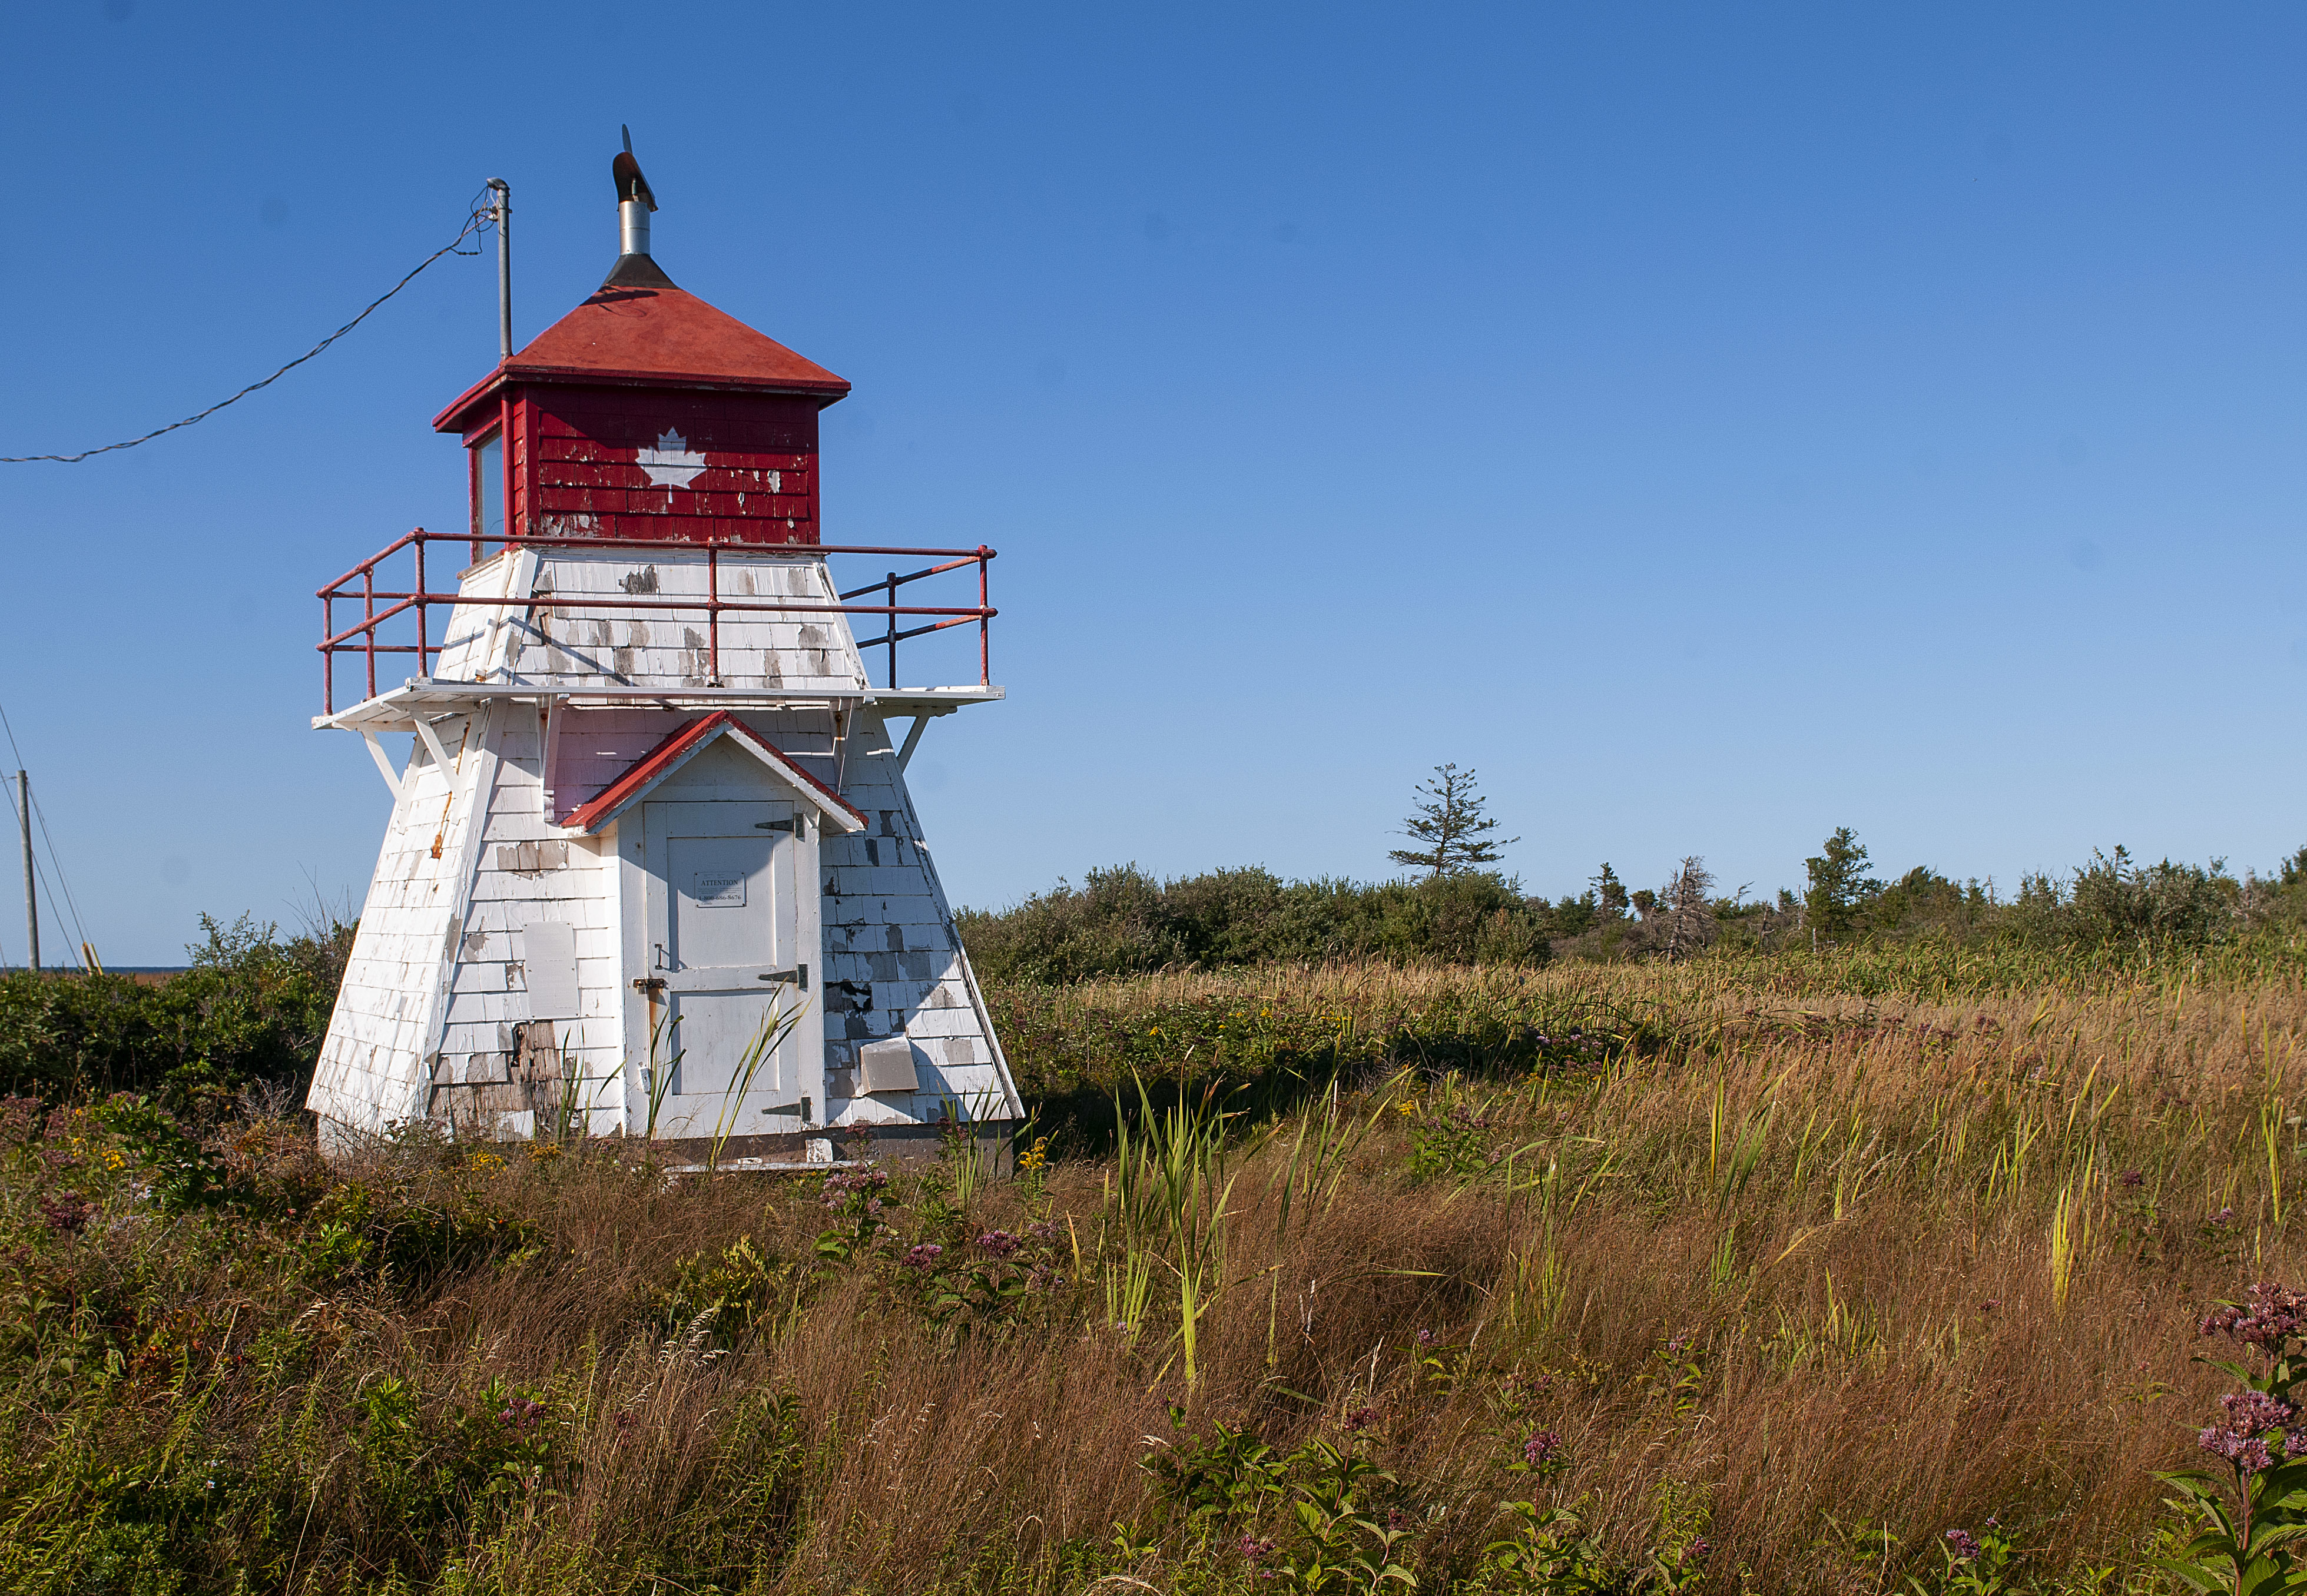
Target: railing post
[(713, 612), (368, 615), (328, 655), (984, 626), (893, 631), (421, 669)]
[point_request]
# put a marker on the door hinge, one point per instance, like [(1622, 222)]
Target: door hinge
[(798, 975), (773, 825)]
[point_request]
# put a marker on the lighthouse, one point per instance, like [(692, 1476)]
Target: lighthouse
[(652, 869)]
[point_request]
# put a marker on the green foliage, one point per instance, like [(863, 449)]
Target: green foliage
[(1547, 1552), (1456, 1144), (1306, 1520), (721, 1295), (184, 1175), (1122, 921), (253, 1007), (1984, 1564), (1838, 884)]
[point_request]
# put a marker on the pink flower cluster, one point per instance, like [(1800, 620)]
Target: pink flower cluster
[(66, 1211), (2252, 1417), (2274, 1314)]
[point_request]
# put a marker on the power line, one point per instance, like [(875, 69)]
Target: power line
[(40, 875), (473, 223), (79, 931), (54, 859), (55, 863)]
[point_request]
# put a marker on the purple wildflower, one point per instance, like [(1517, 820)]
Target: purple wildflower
[(1253, 1550), (19, 1118), (2248, 1454), (844, 1184), (520, 1413), (1962, 1544), (66, 1211), (2133, 1179), (1698, 1550), (1363, 1418), (2254, 1413), (1000, 1243), (1041, 1230), (1542, 1449), (2273, 1315), (1426, 1338), (924, 1256)]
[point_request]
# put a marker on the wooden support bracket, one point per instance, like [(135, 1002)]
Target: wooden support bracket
[(913, 739), (549, 766), (432, 744), (383, 763)]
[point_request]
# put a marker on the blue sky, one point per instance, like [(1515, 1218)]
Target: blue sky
[(1715, 424)]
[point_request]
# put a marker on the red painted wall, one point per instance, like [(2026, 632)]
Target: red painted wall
[(572, 461)]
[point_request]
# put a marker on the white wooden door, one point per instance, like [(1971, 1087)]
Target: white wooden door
[(733, 936)]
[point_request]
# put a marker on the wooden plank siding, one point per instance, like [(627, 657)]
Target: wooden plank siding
[(433, 1010)]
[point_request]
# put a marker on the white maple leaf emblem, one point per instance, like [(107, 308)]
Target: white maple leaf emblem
[(671, 464)]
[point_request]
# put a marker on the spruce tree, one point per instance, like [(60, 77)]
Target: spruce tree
[(1449, 821), (1838, 884)]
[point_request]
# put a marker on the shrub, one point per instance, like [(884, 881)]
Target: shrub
[(1123, 921), (253, 1007)]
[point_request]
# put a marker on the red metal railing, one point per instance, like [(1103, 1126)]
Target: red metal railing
[(359, 585)]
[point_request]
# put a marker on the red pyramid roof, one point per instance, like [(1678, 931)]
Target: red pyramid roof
[(655, 338)]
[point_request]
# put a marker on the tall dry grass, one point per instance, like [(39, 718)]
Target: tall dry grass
[(1797, 1272)]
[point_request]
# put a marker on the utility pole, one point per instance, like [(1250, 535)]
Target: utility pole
[(31, 901)]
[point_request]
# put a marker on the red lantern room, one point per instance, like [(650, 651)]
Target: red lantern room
[(645, 413)]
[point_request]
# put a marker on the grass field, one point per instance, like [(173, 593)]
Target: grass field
[(1714, 1276)]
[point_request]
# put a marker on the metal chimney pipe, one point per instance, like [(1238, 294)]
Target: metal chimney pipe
[(632, 228), (503, 208)]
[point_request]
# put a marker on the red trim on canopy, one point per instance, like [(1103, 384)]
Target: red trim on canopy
[(684, 744)]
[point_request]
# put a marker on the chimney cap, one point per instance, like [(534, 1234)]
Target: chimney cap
[(627, 171)]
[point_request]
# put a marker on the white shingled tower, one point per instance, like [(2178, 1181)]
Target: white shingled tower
[(652, 869)]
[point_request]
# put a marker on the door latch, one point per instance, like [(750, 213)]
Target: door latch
[(652, 984), (798, 975)]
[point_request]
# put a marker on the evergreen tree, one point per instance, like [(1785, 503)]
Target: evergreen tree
[(1839, 885), (1611, 892), (1449, 821)]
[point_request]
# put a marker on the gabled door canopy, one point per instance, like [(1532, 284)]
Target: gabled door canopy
[(653, 767)]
